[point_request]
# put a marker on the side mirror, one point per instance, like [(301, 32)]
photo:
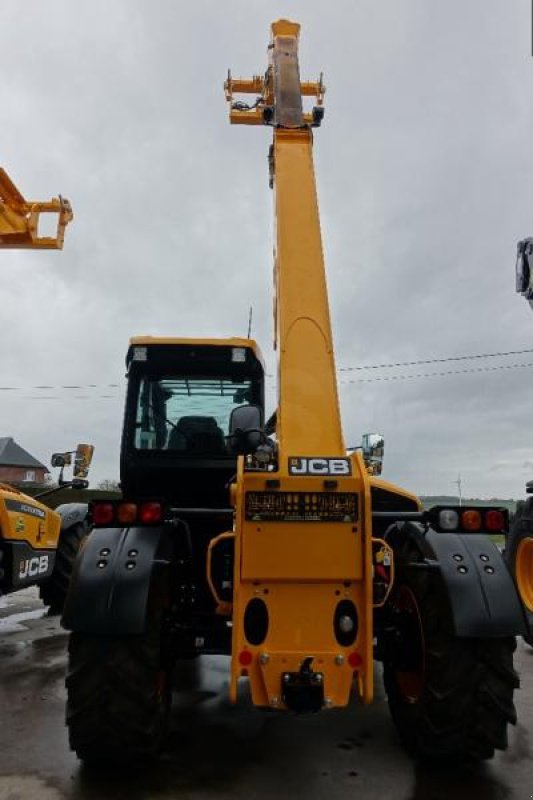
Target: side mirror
[(245, 430), (524, 263), (61, 459), (373, 445), (82, 461)]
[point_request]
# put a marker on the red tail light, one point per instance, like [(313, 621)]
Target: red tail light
[(150, 513), (102, 513), (494, 521)]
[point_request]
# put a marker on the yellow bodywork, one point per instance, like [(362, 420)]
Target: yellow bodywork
[(303, 569), (524, 571), (24, 519), (19, 218)]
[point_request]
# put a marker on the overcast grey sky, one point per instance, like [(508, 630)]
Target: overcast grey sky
[(424, 166)]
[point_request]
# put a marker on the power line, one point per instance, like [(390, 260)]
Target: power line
[(437, 374), (48, 387), (64, 397), (471, 357), (436, 360), (381, 378)]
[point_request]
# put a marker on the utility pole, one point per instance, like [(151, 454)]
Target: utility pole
[(458, 483)]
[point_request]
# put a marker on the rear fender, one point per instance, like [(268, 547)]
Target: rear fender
[(484, 601), (482, 598), (112, 578)]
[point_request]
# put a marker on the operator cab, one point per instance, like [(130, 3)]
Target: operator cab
[(181, 393)]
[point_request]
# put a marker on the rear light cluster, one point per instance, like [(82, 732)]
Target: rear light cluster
[(106, 514), (470, 520)]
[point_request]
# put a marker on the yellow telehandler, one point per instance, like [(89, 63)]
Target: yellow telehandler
[(282, 551), (38, 545)]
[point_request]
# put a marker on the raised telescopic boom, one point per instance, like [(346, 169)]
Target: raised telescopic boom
[(19, 218), (308, 418), (302, 582)]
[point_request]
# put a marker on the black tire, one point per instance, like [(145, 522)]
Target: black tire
[(53, 591), (118, 697), (450, 698), (521, 529)]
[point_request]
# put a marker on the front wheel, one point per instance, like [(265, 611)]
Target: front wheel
[(450, 698)]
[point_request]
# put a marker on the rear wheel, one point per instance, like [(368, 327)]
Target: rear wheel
[(450, 698), (53, 592), (118, 696), (519, 558)]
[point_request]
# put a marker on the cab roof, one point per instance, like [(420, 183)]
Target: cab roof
[(151, 341)]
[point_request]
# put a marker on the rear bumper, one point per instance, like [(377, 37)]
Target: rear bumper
[(22, 565)]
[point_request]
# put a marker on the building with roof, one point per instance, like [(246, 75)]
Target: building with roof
[(17, 465)]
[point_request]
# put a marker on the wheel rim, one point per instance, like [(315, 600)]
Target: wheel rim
[(410, 672), (524, 571)]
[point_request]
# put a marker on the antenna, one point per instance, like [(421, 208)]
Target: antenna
[(250, 322)]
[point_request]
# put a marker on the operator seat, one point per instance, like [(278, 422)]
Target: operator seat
[(197, 435)]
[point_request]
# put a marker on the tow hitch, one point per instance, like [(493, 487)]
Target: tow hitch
[(304, 690)]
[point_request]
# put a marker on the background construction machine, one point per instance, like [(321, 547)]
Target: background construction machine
[(519, 544), (282, 552), (38, 545)]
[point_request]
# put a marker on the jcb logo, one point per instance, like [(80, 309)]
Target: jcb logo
[(31, 567), (319, 466)]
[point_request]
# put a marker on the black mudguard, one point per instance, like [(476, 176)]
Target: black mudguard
[(482, 596), (112, 578)]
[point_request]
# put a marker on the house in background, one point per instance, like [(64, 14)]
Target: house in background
[(17, 465)]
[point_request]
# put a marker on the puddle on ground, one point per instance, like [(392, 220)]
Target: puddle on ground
[(13, 623), (23, 787)]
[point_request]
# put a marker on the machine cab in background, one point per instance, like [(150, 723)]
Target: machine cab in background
[(181, 393)]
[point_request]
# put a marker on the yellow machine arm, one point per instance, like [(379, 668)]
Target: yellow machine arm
[(303, 536), (19, 218), (308, 418)]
